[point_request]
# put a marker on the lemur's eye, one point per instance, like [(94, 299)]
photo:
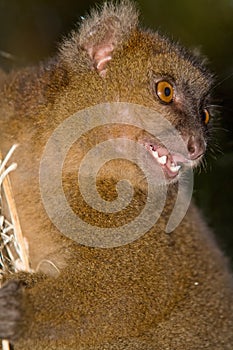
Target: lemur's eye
[(164, 91), (205, 116)]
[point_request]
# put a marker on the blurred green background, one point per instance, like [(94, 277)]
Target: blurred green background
[(30, 31)]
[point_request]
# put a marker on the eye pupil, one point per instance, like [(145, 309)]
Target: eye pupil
[(167, 91)]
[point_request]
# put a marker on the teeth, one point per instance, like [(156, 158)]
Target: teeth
[(162, 160), (175, 168), (155, 154)]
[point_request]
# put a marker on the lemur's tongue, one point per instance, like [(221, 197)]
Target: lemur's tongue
[(170, 162)]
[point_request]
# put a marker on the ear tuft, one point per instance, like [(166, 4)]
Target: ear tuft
[(102, 32)]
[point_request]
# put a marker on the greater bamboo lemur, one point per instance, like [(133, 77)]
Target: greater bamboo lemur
[(161, 291)]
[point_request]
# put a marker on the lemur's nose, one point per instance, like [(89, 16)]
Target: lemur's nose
[(196, 147)]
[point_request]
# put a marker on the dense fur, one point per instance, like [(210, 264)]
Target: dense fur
[(163, 291)]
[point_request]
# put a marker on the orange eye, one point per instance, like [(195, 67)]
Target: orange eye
[(164, 91), (205, 116)]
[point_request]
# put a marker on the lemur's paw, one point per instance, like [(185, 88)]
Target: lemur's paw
[(10, 310)]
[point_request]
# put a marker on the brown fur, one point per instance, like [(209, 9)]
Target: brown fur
[(163, 291)]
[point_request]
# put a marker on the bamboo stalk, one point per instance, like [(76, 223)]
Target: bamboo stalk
[(5, 345)]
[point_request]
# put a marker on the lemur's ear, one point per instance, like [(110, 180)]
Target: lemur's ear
[(103, 31)]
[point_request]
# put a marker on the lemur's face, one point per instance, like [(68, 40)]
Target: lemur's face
[(180, 90)]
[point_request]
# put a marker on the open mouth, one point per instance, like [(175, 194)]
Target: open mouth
[(171, 163)]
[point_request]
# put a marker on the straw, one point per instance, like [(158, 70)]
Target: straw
[(13, 246)]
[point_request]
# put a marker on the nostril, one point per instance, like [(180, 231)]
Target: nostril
[(191, 146), (196, 147)]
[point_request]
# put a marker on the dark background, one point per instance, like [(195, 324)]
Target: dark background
[(30, 31)]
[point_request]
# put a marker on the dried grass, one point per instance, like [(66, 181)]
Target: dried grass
[(14, 255)]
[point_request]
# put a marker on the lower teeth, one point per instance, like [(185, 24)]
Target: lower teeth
[(175, 169)]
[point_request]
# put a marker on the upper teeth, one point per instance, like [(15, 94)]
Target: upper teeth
[(162, 160), (155, 154)]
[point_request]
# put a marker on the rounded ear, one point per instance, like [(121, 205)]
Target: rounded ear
[(102, 31), (101, 41)]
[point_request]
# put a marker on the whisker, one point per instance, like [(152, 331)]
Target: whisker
[(220, 82), (214, 106)]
